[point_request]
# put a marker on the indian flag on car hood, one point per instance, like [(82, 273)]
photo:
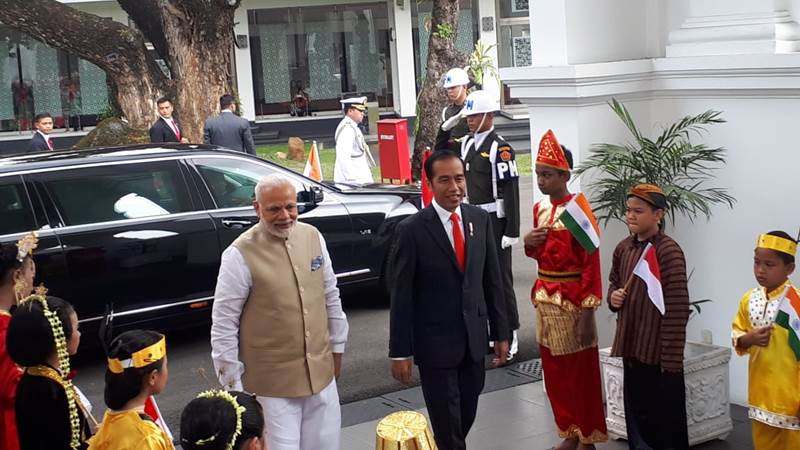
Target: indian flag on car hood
[(580, 221), (789, 317)]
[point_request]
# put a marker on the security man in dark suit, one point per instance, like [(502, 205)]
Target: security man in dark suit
[(449, 289), (41, 140), (166, 128), (453, 128), (493, 185), (229, 130)]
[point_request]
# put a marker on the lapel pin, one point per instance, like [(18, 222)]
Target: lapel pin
[(470, 229)]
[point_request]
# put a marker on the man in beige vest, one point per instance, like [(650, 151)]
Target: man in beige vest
[(278, 329)]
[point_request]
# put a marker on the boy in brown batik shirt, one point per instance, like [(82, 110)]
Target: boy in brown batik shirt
[(650, 343)]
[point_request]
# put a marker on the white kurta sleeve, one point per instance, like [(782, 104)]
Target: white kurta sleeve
[(337, 320), (233, 287)]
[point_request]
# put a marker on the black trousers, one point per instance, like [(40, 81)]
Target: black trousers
[(655, 408), (451, 396), (506, 273)]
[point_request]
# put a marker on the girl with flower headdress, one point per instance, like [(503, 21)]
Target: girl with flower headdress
[(42, 335), (137, 369), (219, 420), (16, 280)]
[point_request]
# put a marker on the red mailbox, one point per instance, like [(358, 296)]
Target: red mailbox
[(395, 155)]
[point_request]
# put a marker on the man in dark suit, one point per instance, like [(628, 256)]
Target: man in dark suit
[(450, 287), (166, 128), (229, 130), (41, 140)]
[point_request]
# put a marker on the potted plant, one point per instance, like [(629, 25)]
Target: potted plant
[(682, 169)]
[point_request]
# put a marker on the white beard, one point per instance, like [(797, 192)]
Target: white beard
[(283, 234)]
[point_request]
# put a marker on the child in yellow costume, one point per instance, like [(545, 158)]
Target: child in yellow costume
[(765, 328), (137, 369)]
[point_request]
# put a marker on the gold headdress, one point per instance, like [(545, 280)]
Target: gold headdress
[(63, 367), (239, 409), (777, 243), (27, 245), (141, 358)]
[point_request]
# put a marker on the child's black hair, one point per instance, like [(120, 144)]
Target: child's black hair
[(206, 418), (30, 340), (568, 155), (122, 387), (8, 262), (785, 257)]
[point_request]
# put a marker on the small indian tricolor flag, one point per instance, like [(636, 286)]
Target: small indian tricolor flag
[(789, 317), (580, 221)]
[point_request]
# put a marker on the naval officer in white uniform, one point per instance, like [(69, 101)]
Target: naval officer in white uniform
[(353, 160)]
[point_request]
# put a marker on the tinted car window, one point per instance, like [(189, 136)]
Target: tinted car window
[(126, 191), (14, 211), (232, 182)]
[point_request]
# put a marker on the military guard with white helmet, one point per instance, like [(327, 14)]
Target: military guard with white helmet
[(454, 127), (353, 159), (493, 185)]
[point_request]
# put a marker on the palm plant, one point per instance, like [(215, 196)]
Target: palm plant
[(480, 64), (671, 161)]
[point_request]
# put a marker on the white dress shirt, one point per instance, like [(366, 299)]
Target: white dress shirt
[(447, 223), (233, 288), (480, 137)]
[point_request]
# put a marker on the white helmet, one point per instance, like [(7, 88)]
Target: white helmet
[(455, 77), (479, 102)]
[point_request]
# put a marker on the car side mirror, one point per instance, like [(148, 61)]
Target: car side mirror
[(319, 194), (311, 197)]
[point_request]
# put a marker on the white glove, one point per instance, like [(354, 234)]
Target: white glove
[(506, 241)]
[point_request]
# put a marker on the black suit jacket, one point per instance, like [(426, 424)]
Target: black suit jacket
[(438, 313), (38, 143), (162, 132)]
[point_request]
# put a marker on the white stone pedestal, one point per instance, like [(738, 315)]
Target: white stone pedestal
[(708, 412)]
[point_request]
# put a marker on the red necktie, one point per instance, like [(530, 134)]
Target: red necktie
[(50, 143), (458, 240), (175, 128)]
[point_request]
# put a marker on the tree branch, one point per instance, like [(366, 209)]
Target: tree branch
[(110, 45), (147, 15)]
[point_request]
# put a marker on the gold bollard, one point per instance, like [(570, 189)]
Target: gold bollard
[(404, 430)]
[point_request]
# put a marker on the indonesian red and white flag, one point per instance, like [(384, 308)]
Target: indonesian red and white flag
[(647, 269), (151, 409)]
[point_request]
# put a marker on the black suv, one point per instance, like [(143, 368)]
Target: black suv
[(142, 227)]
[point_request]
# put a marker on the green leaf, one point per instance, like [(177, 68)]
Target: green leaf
[(682, 168)]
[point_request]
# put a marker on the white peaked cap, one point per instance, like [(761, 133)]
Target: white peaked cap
[(353, 101)]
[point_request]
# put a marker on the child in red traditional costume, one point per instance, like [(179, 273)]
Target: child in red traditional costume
[(17, 271), (566, 294)]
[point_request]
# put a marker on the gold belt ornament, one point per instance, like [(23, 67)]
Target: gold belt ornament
[(558, 277)]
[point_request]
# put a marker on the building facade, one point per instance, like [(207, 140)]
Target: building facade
[(667, 59), (289, 55)]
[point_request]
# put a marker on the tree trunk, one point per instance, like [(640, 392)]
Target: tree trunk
[(117, 49), (442, 56), (193, 37)]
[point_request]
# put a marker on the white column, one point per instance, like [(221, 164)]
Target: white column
[(728, 27), (486, 9), (244, 67), (549, 32), (404, 86)]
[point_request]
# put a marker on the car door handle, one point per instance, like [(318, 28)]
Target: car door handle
[(237, 223)]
